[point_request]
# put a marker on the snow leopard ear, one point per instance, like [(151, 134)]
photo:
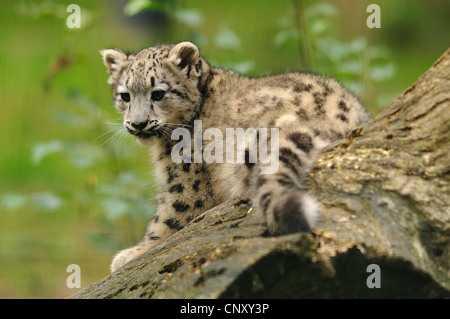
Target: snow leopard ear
[(113, 58), (184, 54)]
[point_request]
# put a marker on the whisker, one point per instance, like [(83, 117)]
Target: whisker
[(114, 137), (112, 124), (178, 125), (107, 132), (165, 134)]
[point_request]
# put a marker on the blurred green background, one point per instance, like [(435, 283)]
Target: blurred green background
[(74, 188)]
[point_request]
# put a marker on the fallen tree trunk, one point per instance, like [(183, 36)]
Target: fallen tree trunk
[(385, 196)]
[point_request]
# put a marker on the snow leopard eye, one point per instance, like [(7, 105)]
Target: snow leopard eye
[(158, 95), (125, 97)]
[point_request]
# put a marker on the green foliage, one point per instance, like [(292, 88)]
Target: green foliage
[(123, 193), (355, 62), (45, 201), (309, 25), (189, 17), (135, 6)]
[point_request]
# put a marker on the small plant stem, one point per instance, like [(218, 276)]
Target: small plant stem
[(303, 34)]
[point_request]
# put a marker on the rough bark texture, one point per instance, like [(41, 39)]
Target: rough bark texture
[(385, 196)]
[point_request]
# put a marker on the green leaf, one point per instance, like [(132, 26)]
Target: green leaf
[(189, 17), (83, 155), (42, 150), (135, 6), (333, 49), (111, 189), (240, 67), (13, 200), (47, 201), (318, 26), (227, 39), (358, 45), (379, 53), (114, 208), (322, 8), (382, 72), (352, 67), (285, 35), (128, 178)]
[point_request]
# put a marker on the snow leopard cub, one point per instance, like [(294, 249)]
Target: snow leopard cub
[(166, 87)]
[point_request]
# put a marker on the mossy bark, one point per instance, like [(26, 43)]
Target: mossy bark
[(385, 197)]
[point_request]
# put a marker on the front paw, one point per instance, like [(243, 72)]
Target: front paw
[(124, 256)]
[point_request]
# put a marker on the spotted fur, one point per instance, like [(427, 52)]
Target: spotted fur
[(164, 87)]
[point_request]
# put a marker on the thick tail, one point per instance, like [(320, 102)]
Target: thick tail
[(281, 198)]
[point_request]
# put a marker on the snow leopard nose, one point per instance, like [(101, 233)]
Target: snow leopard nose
[(139, 126)]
